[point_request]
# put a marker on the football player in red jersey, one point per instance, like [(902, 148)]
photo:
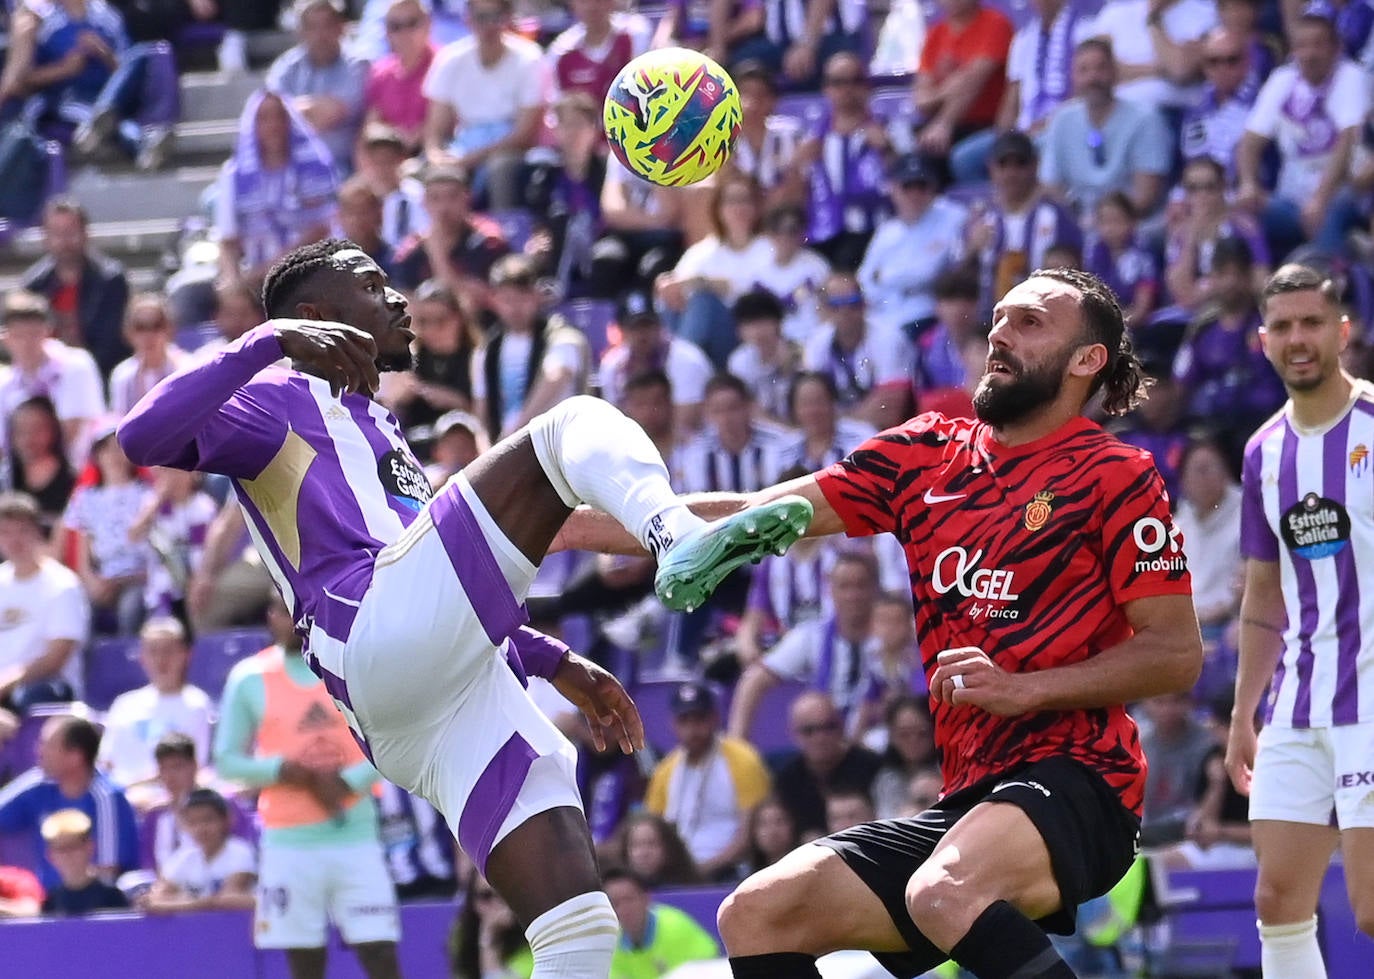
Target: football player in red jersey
[(1051, 590)]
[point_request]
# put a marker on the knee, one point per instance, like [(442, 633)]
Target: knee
[(939, 904), (760, 917), (1274, 904)]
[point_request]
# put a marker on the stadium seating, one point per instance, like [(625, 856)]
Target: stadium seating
[(593, 317), (769, 733), (215, 654), (112, 667), (516, 225), (653, 698)]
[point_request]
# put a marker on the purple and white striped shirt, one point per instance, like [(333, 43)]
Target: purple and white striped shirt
[(1308, 503)]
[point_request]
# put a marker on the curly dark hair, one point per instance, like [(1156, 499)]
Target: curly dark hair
[(285, 284), (1123, 379)]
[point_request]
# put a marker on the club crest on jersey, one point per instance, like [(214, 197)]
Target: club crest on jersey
[(1038, 510), (1359, 460)]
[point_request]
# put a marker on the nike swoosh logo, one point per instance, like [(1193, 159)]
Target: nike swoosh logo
[(931, 497)]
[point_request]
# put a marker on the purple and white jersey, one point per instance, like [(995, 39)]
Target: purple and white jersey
[(325, 482), (1309, 505)]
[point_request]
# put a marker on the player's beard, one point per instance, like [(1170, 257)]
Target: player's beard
[(401, 360), (1027, 390)]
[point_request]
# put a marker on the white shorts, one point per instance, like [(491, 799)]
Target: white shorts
[(423, 676), (1305, 775), (302, 889)]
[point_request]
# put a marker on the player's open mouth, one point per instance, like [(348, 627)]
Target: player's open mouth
[(403, 324), (998, 367)]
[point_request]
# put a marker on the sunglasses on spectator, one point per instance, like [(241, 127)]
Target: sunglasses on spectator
[(825, 727), (1218, 60), (397, 26), (1202, 187), (838, 81), (1013, 161), (914, 184), (841, 302)]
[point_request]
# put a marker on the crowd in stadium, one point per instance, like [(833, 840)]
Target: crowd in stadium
[(836, 277)]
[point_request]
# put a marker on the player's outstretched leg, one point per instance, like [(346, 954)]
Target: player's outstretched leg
[(593, 454)]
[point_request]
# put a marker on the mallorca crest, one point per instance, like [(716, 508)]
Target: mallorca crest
[(1038, 510)]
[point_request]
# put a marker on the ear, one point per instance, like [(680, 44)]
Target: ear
[(1345, 332), (1088, 361), (310, 311)]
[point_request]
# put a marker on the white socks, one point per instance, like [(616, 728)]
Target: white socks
[(1291, 951), (594, 454), (575, 940)]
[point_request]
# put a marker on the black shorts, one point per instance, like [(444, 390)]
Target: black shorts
[(1091, 837)]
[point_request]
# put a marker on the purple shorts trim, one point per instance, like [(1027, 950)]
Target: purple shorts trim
[(492, 797), (474, 564)]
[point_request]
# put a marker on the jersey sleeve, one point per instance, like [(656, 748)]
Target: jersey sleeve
[(1258, 542), (1141, 546), (866, 487)]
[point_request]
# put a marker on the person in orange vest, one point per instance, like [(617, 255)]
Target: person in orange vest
[(321, 852)]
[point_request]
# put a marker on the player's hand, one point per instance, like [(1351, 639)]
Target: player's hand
[(1241, 745), (967, 676), (602, 700), (343, 355)]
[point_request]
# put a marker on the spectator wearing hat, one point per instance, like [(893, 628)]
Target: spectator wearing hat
[(654, 938), (382, 162), (709, 784), (767, 140), (394, 93), (458, 248), (646, 346), (321, 81), (1009, 237), (1312, 109), (911, 248), (962, 75), (939, 369), (1097, 143), (76, 887), (42, 366), (44, 610), (457, 438), (445, 340), (485, 102)]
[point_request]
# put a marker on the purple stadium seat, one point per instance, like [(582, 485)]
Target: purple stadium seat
[(970, 194), (215, 654), (593, 317), (516, 224), (194, 337), (20, 753), (768, 733), (807, 107), (891, 102), (652, 697), (112, 667)]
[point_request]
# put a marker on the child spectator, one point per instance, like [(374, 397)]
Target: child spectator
[(772, 835), (655, 938), (214, 871), (910, 750), (175, 521), (161, 833), (796, 274), (765, 360), (649, 845), (895, 670), (36, 463), (939, 365), (1116, 257), (148, 330), (70, 849)]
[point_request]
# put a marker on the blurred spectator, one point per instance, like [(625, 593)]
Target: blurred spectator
[(458, 247), (648, 845), (1011, 235), (87, 290), (458, 438), (923, 791), (895, 669), (910, 750), (161, 832), (1208, 218), (939, 364), (175, 521), (772, 836), (705, 26), (1221, 368), (707, 786), (869, 366), (1117, 257), (148, 331), (588, 55), (1312, 109), (796, 273), (1039, 66), (76, 887), (826, 436), (383, 163), (276, 192), (139, 719), (488, 940), (654, 938), (841, 163), (21, 896), (642, 238), (1215, 123), (564, 196), (765, 360), (529, 361), (359, 219), (445, 339), (825, 761), (1248, 20), (766, 140), (113, 565), (36, 463), (911, 248), (1208, 514), (1218, 828), (833, 654), (485, 101), (230, 587), (785, 591), (322, 82), (799, 37), (846, 808), (959, 85), (241, 17), (698, 293), (44, 610), (1157, 427), (1097, 143), (238, 308), (41, 365), (64, 779), (419, 845), (321, 854), (394, 94), (1177, 747), (1158, 48), (646, 346), (213, 870), (733, 453)]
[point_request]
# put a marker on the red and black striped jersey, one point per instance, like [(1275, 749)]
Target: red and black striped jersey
[(1030, 553)]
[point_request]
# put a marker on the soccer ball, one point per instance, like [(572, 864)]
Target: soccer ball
[(672, 116)]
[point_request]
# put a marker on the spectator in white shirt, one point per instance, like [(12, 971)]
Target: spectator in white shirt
[(138, 719), (1158, 47), (1209, 516), (214, 871), (911, 248), (148, 331), (486, 96), (765, 359), (646, 346), (796, 273)]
